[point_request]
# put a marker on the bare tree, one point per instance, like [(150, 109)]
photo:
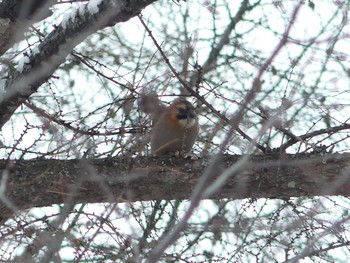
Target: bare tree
[(269, 177)]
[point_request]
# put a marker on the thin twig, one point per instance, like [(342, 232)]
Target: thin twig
[(303, 137), (41, 112)]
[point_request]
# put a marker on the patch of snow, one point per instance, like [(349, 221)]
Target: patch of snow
[(65, 19), (93, 6), (81, 9), (21, 63), (35, 50), (73, 14)]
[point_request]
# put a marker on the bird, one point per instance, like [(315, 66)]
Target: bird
[(175, 128)]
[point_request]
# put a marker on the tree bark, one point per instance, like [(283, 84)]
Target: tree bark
[(43, 182)]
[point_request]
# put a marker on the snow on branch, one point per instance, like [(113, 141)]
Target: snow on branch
[(36, 68)]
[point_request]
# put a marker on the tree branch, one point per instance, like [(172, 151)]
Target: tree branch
[(17, 15), (58, 44), (38, 182), (296, 139)]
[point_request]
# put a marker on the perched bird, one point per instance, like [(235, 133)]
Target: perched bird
[(175, 128)]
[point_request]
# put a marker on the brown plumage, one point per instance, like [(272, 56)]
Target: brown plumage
[(175, 128)]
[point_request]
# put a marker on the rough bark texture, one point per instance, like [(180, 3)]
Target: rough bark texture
[(40, 182), (6, 28), (16, 16), (57, 45)]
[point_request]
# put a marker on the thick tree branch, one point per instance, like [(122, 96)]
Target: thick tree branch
[(33, 183), (41, 64)]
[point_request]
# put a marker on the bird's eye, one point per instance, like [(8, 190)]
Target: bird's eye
[(185, 113), (182, 114)]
